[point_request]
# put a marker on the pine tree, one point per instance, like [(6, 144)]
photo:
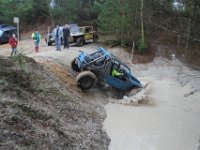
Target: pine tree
[(114, 17)]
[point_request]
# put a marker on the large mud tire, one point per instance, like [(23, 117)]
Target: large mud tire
[(74, 66), (80, 41), (86, 80)]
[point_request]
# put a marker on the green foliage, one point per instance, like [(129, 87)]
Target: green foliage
[(20, 59), (124, 43), (26, 10), (120, 18), (64, 11), (74, 11), (113, 16), (109, 16), (142, 46)]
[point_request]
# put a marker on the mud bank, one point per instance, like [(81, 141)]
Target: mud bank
[(38, 109), (170, 120)]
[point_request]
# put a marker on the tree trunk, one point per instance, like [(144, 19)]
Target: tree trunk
[(122, 20), (178, 42), (188, 33), (132, 52), (142, 22)]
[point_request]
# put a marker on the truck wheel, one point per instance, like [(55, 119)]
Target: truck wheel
[(74, 66), (49, 43), (86, 80), (95, 38), (80, 41)]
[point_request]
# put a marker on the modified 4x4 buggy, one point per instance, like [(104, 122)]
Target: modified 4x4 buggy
[(98, 66), (78, 35)]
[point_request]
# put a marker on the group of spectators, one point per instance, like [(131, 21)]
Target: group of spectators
[(13, 41), (58, 33)]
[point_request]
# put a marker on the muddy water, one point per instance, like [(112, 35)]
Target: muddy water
[(171, 122)]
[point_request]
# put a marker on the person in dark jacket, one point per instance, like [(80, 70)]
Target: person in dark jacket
[(66, 34), (13, 43)]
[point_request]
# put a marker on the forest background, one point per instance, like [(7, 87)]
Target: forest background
[(172, 23)]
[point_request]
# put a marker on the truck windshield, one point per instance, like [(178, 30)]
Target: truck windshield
[(75, 30)]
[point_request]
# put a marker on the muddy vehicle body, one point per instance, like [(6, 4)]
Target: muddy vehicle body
[(98, 66), (78, 35)]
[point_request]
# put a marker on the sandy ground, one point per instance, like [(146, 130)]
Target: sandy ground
[(171, 118)]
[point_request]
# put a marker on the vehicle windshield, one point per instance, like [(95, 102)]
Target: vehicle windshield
[(74, 30), (80, 29), (1, 32)]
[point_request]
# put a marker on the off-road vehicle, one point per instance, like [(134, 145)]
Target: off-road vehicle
[(99, 65), (78, 35)]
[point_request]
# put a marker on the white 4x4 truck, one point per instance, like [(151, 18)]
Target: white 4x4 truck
[(78, 35)]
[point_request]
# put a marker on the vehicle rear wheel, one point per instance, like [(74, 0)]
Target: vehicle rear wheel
[(80, 41), (74, 66), (86, 80), (95, 38)]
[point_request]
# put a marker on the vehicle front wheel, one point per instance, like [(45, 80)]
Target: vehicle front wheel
[(95, 38), (49, 43), (86, 80), (80, 41), (74, 65)]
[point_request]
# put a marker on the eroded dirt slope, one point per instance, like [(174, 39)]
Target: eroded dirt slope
[(38, 111)]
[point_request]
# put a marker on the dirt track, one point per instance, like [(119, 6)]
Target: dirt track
[(171, 119)]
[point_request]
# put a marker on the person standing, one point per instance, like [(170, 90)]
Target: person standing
[(66, 34), (58, 34), (13, 43), (36, 36)]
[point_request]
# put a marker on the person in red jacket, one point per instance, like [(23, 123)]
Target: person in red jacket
[(13, 43)]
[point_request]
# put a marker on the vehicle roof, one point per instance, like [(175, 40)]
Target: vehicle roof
[(8, 28), (86, 26), (3, 25), (73, 24)]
